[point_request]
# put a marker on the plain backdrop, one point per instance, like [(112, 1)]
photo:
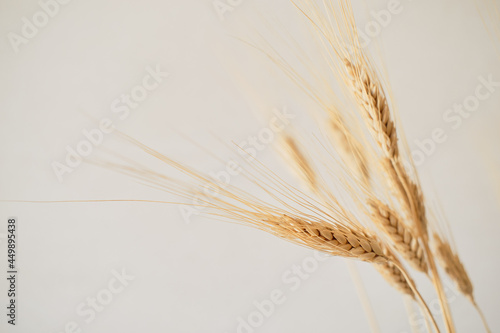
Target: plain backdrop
[(207, 276)]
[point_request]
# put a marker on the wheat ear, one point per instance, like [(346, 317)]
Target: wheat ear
[(453, 266), (369, 94), (343, 241), (353, 154), (455, 269), (393, 276), (304, 169), (350, 148), (401, 236), (390, 273), (367, 89), (352, 244)]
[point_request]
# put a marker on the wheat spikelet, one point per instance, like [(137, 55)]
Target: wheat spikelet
[(418, 201), (347, 239), (338, 34), (298, 158), (402, 237), (370, 95), (331, 236), (392, 274), (351, 149), (451, 263), (408, 191), (328, 238), (358, 75), (455, 269), (336, 235), (354, 245), (350, 244)]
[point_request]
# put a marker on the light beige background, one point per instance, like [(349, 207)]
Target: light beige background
[(202, 276)]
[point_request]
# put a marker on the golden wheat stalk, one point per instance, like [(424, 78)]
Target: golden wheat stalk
[(402, 236), (409, 191), (387, 269), (337, 35), (382, 216), (370, 95), (351, 244), (328, 229), (353, 157), (337, 29)]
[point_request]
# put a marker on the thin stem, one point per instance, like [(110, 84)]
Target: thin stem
[(363, 297), (438, 285), (483, 318), (419, 297), (422, 230), (410, 310)]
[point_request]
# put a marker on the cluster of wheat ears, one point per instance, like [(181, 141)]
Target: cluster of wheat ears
[(391, 225)]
